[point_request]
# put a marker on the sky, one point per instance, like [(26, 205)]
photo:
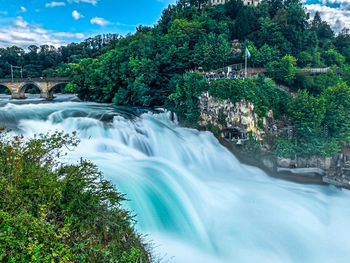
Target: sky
[(335, 12), (58, 22)]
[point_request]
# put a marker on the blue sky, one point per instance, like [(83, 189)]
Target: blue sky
[(25, 22), (57, 22)]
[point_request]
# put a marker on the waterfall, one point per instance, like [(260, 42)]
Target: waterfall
[(192, 198)]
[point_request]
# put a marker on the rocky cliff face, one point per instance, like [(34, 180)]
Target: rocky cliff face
[(305, 162), (226, 115), (240, 116)]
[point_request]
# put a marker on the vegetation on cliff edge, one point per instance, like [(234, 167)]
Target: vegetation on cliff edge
[(55, 212)]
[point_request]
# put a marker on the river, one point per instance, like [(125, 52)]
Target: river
[(192, 198)]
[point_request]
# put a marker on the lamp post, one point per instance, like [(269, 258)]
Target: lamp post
[(12, 67)]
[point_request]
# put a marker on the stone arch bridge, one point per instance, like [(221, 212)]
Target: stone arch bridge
[(17, 87)]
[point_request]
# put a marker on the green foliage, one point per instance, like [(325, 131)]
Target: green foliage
[(265, 55), (317, 84), (48, 61), (184, 100), (332, 57), (346, 75), (134, 256), (304, 59), (261, 92), (321, 28), (216, 51), (320, 123), (285, 70), (337, 100), (54, 212), (307, 113), (324, 81), (141, 69), (215, 130), (315, 145), (285, 147)]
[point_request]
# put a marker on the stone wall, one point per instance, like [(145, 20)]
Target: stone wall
[(226, 114), (302, 162)]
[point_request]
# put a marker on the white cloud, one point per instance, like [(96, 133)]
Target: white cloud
[(54, 4), (345, 4), (23, 9), (23, 34), (338, 18), (100, 21), (93, 2), (76, 15), (20, 22)]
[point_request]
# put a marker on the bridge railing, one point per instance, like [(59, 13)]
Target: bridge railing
[(315, 70), (20, 80)]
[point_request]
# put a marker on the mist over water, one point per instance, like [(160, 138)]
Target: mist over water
[(192, 197)]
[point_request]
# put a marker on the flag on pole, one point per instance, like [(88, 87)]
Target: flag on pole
[(247, 53)]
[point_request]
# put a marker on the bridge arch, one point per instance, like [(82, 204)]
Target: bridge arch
[(53, 88), (58, 87), (4, 87), (25, 85)]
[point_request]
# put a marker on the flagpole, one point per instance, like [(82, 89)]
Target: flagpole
[(246, 64)]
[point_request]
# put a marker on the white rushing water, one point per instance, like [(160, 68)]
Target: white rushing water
[(192, 197)]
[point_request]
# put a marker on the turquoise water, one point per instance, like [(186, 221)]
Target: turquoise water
[(193, 199)]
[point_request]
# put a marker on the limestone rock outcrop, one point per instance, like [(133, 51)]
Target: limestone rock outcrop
[(226, 114)]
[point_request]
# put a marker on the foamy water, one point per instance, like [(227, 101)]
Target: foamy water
[(192, 197)]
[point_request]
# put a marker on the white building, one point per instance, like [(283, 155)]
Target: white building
[(245, 2)]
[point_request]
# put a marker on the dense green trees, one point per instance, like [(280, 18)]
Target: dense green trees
[(54, 212), (321, 122), (283, 71), (337, 113), (185, 98), (261, 92), (311, 137), (307, 113), (50, 61)]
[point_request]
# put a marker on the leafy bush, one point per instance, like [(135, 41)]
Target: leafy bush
[(215, 130), (337, 100), (283, 71), (317, 145), (307, 113), (251, 145), (185, 99), (285, 148), (54, 212), (332, 57), (261, 92)]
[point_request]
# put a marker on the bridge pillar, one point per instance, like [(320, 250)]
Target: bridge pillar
[(46, 95), (15, 92), (18, 96), (46, 92)]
